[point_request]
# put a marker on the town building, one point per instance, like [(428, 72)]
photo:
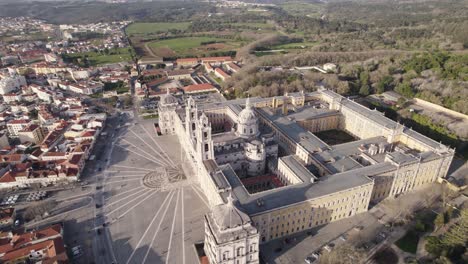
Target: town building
[(9, 84), (32, 133), (199, 88), (187, 62), (14, 126), (221, 74), (37, 246)]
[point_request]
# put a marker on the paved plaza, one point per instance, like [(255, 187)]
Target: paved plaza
[(153, 209)]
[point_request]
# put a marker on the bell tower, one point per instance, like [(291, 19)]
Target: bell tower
[(204, 142), (191, 115)]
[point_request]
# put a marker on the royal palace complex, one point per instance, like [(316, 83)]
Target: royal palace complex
[(267, 174)]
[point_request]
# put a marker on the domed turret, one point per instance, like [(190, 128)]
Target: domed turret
[(168, 99), (248, 123), (228, 216)]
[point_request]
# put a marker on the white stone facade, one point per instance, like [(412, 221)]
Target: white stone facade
[(229, 146)]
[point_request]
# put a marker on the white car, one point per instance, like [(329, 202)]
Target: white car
[(310, 259)]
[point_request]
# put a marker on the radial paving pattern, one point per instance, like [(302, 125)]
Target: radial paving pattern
[(153, 206)]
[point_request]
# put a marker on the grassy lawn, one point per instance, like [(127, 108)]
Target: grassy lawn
[(216, 78), (191, 46), (334, 136), (409, 242), (150, 116), (153, 28), (96, 58), (119, 87)]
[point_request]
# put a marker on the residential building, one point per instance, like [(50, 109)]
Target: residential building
[(32, 133), (9, 84), (14, 126), (42, 246)]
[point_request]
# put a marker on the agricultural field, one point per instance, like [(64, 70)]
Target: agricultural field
[(253, 25), (92, 58), (192, 46), (304, 9), (142, 29)]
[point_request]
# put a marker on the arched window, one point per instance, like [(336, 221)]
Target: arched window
[(225, 255), (240, 251), (253, 246)]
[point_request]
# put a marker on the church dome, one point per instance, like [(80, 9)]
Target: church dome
[(247, 115), (229, 216), (168, 99)]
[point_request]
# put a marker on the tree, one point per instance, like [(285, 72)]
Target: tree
[(343, 255), (434, 245), (384, 84), (443, 260), (364, 90), (458, 233), (439, 221), (128, 68), (128, 101), (38, 209), (405, 89), (364, 81)]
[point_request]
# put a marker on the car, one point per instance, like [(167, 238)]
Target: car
[(310, 259), (343, 237), (358, 228), (329, 247), (17, 222)]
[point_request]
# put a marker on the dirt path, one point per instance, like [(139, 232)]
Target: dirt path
[(150, 51)]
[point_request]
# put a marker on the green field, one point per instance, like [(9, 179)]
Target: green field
[(304, 9), (96, 58), (154, 28), (295, 45), (192, 46)]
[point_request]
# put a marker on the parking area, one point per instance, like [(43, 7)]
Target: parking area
[(21, 198)]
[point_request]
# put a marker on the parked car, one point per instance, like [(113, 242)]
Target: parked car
[(310, 259)]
